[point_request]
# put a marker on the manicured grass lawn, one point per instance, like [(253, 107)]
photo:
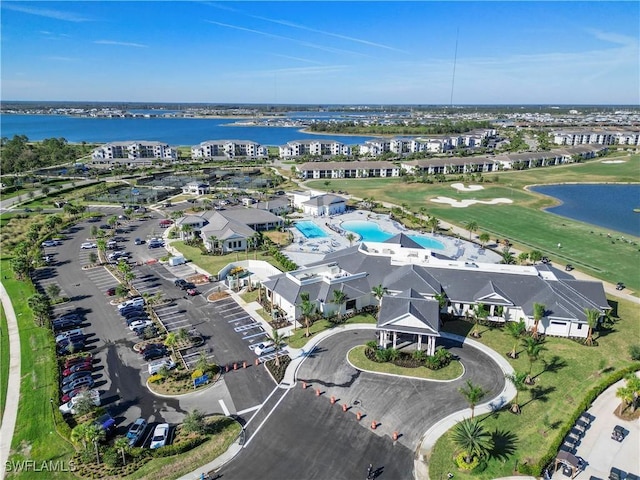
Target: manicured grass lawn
[(359, 360), (251, 296), (298, 339), (4, 360), (214, 263), (524, 223), (566, 372), (35, 437)]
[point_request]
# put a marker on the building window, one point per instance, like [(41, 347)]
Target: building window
[(579, 326), (351, 304)]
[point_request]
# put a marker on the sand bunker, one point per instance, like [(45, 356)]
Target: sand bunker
[(466, 203), (471, 188), (614, 161)]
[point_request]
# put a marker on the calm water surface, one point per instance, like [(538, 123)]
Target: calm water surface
[(174, 131), (607, 206)]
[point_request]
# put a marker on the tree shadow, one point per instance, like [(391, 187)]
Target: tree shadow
[(539, 393), (552, 366), (504, 444), (614, 308)]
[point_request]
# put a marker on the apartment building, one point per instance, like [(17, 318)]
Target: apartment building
[(596, 137), (362, 169), (298, 148), (133, 152), (228, 149)]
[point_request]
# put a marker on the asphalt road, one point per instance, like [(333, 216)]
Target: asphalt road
[(320, 441)]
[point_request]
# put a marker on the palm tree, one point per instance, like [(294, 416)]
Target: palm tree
[(112, 221), (515, 329), (471, 226), (593, 316), (433, 223), (473, 394), (533, 347), (278, 342), (484, 238), (518, 380), (213, 241), (442, 299), (339, 298), (479, 313), (523, 257), (171, 341), (187, 230), (307, 309), (79, 434), (94, 434), (40, 306), (629, 393), (507, 256), (539, 309), (350, 237), (471, 437), (122, 444)]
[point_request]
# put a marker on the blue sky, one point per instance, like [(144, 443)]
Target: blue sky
[(322, 52)]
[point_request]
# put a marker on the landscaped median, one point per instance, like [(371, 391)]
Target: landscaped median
[(359, 360), (566, 374), (298, 338)]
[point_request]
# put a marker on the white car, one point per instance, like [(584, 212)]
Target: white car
[(134, 302), (140, 324), (88, 245), (264, 348), (69, 407), (160, 435)]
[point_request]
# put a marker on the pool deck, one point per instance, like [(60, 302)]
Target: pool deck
[(305, 250)]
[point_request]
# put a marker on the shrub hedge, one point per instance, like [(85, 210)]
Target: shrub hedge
[(536, 469)]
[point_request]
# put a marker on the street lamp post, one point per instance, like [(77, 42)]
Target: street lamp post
[(53, 412)]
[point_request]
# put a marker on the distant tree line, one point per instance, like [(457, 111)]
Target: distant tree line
[(413, 128), (18, 155)]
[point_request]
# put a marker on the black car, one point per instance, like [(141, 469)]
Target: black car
[(154, 353), (62, 324), (129, 310), (70, 347), (183, 284)]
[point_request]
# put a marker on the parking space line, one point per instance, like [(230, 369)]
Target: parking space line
[(250, 409), (255, 335), (246, 327), (224, 407)]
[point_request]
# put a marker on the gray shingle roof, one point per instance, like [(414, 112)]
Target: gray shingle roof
[(409, 312)]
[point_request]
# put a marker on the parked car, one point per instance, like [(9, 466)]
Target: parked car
[(75, 376), (136, 431), (135, 302), (140, 324), (88, 245), (84, 382), (68, 396), (138, 241), (263, 348), (150, 346), (112, 244), (135, 314), (76, 332), (88, 358), (106, 422), (62, 324), (49, 243), (136, 318), (146, 333), (160, 435), (192, 292), (157, 365), (179, 282), (155, 244), (129, 310), (111, 291), (66, 347), (78, 367), (154, 354), (69, 407)]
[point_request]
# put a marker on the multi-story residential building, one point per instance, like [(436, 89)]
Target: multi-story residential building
[(228, 149), (347, 170), (133, 152), (298, 148), (598, 136), (450, 165)]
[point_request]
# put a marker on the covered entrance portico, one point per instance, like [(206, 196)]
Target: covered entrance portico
[(409, 314)]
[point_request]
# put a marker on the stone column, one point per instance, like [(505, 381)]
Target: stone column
[(419, 342), (395, 339)]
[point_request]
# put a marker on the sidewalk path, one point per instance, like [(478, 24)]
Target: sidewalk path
[(13, 385)]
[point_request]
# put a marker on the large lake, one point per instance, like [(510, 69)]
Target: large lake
[(607, 206), (174, 131)]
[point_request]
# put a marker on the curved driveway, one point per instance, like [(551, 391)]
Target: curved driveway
[(306, 437)]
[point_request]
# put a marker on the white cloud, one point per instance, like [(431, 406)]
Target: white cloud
[(45, 12), (120, 44)]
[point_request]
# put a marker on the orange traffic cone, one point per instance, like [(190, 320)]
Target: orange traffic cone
[(374, 425), (344, 407), (395, 436), (359, 416), (333, 399), (317, 392), (304, 385)]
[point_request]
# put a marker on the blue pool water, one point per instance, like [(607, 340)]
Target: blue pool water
[(371, 232), (310, 229)]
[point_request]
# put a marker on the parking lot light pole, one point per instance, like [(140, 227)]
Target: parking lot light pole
[(53, 412)]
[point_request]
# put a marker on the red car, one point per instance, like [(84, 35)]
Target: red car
[(86, 359), (68, 396), (192, 291), (78, 367), (111, 292)]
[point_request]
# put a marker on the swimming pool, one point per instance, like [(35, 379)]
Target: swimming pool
[(310, 229), (371, 232)]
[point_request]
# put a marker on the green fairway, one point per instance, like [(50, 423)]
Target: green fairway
[(524, 222), (563, 376), (35, 436)]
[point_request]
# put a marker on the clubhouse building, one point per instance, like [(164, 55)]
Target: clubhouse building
[(416, 280)]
